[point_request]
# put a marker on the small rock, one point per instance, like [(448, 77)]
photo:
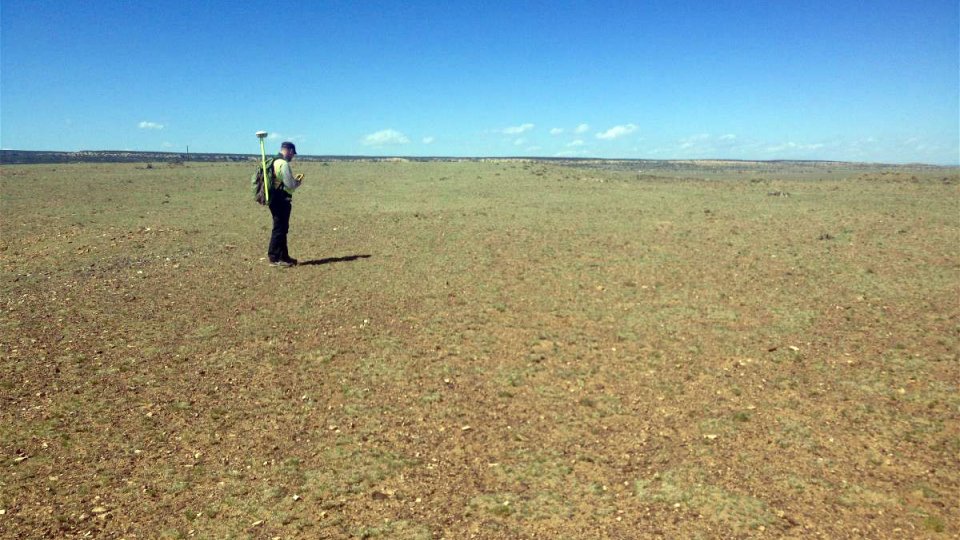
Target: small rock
[(99, 509), (257, 523)]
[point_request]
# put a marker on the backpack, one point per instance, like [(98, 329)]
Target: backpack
[(256, 181)]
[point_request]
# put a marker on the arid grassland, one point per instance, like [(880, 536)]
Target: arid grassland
[(481, 350)]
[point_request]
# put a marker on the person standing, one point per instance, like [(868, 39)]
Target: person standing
[(281, 205)]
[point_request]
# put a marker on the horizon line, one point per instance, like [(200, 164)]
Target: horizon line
[(449, 157)]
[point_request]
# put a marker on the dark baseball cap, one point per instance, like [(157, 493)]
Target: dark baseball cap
[(290, 145)]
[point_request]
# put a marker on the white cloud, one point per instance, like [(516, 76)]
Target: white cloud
[(556, 131), (385, 137), (617, 131), (794, 146), (150, 125), (694, 140), (582, 128), (291, 138), (167, 145), (706, 145), (520, 141), (577, 142), (516, 130), (428, 140)]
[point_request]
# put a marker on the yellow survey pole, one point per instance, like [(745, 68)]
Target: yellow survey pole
[(263, 164)]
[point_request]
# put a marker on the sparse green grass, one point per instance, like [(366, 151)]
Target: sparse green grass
[(688, 489), (676, 354), (934, 524)]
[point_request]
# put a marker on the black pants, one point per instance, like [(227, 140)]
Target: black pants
[(280, 207)]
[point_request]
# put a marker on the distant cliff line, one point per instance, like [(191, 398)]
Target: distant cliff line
[(24, 157), (27, 157)]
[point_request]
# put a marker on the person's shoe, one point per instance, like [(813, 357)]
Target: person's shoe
[(291, 260), (281, 263)]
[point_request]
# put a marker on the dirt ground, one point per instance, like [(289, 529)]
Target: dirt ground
[(481, 350)]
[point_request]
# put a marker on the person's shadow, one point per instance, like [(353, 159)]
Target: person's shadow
[(331, 260)]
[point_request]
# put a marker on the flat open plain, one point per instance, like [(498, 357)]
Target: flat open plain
[(501, 349)]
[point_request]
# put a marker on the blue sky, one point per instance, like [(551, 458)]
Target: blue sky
[(845, 80)]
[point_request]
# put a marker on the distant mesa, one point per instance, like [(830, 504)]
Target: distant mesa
[(26, 157), (9, 157)]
